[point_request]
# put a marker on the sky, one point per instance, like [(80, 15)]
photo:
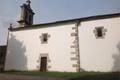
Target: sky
[(53, 10)]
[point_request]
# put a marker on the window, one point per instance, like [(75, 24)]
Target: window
[(99, 32), (44, 38)]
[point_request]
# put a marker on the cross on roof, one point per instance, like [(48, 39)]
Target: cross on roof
[(28, 2)]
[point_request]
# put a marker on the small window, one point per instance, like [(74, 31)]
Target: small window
[(44, 38), (99, 32)]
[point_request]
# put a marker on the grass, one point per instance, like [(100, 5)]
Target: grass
[(49, 74), (71, 76)]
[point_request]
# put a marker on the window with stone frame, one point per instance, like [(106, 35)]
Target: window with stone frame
[(100, 32), (44, 38)]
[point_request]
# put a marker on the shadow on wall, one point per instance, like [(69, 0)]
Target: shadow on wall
[(16, 59), (116, 57)]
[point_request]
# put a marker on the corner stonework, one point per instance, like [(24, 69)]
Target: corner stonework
[(75, 46)]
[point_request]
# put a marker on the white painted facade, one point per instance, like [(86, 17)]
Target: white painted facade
[(25, 48), (100, 54)]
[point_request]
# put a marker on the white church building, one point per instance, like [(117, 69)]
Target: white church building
[(83, 44)]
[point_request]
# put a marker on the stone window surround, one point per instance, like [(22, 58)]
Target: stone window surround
[(103, 32), (41, 37)]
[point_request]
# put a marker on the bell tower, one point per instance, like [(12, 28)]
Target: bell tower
[(26, 18)]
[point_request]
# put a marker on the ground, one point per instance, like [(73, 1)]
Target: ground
[(36, 75)]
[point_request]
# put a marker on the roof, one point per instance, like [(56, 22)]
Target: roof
[(97, 17)]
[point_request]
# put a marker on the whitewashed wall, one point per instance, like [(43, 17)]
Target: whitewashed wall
[(100, 54), (25, 48)]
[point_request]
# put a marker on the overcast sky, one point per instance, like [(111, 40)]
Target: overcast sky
[(53, 10)]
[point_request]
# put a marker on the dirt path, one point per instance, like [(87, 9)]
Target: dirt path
[(21, 77)]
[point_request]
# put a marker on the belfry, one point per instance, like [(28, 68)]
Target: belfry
[(27, 14)]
